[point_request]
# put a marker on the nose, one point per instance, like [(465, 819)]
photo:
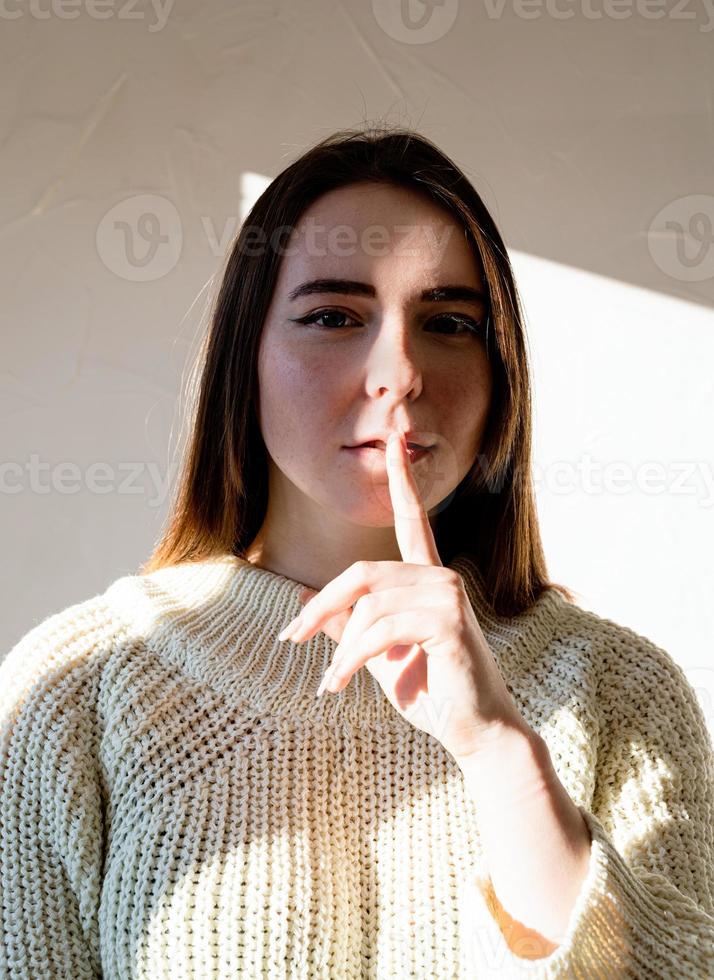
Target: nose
[(392, 363)]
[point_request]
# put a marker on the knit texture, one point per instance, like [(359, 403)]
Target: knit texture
[(175, 802)]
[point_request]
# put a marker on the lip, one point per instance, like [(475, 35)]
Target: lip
[(375, 452), (415, 436), (381, 444)]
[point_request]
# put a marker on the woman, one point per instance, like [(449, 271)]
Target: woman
[(511, 786)]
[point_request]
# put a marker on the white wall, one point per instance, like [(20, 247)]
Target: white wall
[(587, 128)]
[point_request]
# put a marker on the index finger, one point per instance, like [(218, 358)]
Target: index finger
[(411, 521)]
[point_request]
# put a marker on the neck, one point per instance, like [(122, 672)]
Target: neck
[(283, 548)]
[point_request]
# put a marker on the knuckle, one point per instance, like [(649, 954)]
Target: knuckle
[(453, 578), (367, 603), (456, 589)]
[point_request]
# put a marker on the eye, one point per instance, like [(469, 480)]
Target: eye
[(468, 325), (318, 315)]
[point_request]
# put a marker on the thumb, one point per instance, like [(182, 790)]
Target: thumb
[(335, 626)]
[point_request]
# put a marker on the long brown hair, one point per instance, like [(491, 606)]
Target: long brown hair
[(220, 500)]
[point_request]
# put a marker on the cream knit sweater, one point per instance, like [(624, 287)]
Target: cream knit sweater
[(175, 802)]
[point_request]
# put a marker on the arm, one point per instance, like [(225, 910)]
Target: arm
[(51, 812), (645, 907), (536, 842)]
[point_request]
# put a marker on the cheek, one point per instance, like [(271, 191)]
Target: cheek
[(466, 405), (298, 401), (464, 389)]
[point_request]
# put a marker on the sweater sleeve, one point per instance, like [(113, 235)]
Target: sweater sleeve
[(51, 801), (646, 906)]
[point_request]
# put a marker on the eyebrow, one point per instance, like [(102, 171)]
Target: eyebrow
[(349, 287)]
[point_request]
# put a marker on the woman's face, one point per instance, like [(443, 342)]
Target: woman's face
[(379, 357)]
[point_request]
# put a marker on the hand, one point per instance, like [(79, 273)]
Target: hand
[(414, 629)]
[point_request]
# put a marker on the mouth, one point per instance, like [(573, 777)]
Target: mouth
[(414, 450), (378, 444)]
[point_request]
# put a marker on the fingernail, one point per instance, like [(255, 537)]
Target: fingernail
[(292, 626), (330, 682)]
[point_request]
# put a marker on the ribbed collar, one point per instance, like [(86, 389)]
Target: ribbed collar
[(219, 620)]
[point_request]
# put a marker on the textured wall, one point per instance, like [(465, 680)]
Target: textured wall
[(588, 129)]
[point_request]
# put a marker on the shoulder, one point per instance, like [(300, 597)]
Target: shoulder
[(637, 679), (623, 652), (60, 655)]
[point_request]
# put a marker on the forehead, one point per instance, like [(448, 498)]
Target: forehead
[(376, 232)]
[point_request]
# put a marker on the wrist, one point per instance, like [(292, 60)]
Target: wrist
[(513, 739), (511, 767)]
